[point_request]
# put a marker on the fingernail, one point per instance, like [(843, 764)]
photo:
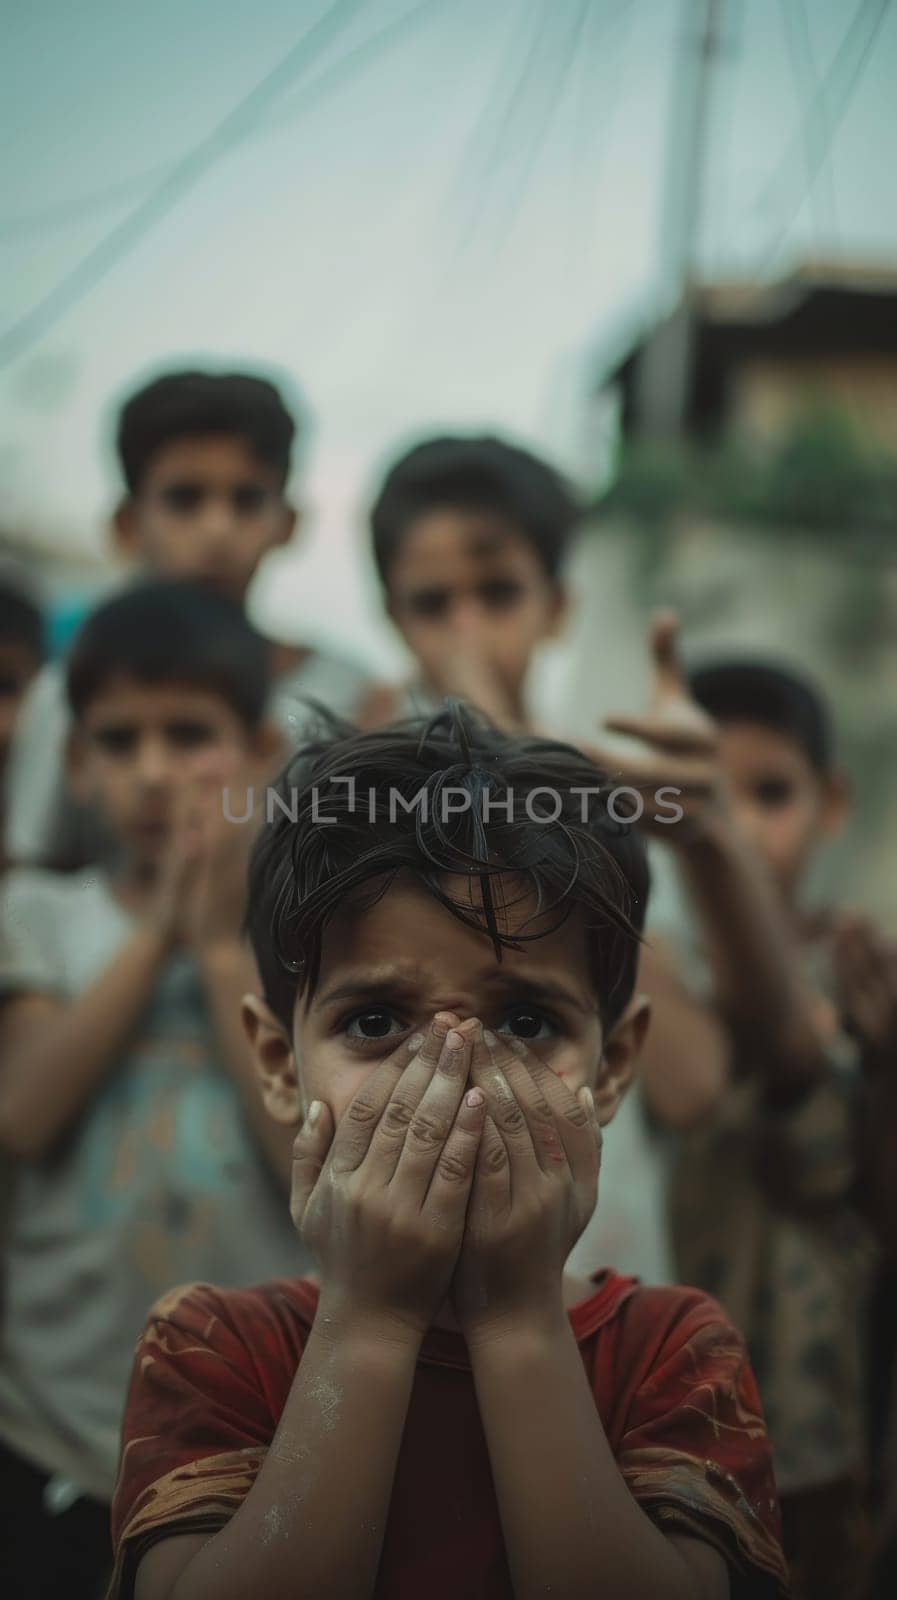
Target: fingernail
[(588, 1100), (415, 1043), (454, 1040), (474, 1097), (489, 1038), (314, 1111)]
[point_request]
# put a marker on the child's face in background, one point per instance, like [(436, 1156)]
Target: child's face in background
[(140, 747), (207, 509), (784, 806), (17, 668), (387, 969), (470, 580)]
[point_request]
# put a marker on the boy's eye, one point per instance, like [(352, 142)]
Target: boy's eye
[(500, 594), (249, 498), (430, 603), (527, 1023), (377, 1023), (188, 735), (773, 792), (183, 498), (116, 741)]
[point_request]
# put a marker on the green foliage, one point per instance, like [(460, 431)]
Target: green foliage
[(822, 481)]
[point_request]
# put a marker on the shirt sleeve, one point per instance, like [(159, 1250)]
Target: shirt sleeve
[(196, 1428), (27, 946), (695, 1451), (37, 766)]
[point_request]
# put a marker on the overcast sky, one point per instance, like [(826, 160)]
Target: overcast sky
[(436, 234)]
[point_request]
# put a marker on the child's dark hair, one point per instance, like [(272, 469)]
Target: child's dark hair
[(171, 631), (304, 868), (21, 621), (745, 689), (190, 404), (482, 474)]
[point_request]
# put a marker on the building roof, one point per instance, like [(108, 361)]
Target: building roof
[(821, 309)]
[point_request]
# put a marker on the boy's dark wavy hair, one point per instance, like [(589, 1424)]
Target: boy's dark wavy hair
[(170, 631), (303, 870), (754, 689), (183, 405), (475, 474)]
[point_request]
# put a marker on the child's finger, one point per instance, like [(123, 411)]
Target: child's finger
[(418, 1119), (573, 1119), (375, 1122), (587, 1179), (362, 1116), (433, 1118), (490, 1195), (310, 1148), (683, 738), (587, 1101), (452, 1177), (560, 1125), (527, 1130), (652, 768), (663, 636)]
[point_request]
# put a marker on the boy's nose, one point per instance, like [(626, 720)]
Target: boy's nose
[(153, 763), (218, 516), (467, 613)]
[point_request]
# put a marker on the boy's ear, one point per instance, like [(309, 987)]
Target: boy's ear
[(620, 1056), (274, 1062), (290, 522), (75, 761), (269, 746), (837, 803), (559, 611), (125, 537)]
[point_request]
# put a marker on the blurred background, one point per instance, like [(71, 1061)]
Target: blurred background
[(654, 238)]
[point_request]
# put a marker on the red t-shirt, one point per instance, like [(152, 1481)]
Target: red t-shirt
[(668, 1373)]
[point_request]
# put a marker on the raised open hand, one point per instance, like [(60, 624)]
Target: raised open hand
[(679, 746)]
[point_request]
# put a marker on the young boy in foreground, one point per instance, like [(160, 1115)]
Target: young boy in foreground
[(127, 1095), (205, 459), (447, 1010)]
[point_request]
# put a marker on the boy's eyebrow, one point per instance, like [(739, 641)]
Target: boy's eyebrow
[(541, 988), (366, 989)]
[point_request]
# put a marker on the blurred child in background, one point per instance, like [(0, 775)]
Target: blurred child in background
[(752, 1070), (126, 1090), (21, 654), (469, 537), (205, 459)]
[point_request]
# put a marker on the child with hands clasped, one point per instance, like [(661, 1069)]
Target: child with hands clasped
[(128, 1099), (446, 925)]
